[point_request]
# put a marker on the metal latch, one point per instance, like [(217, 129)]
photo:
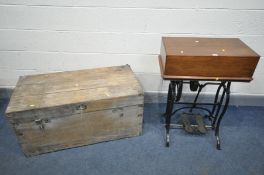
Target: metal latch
[(41, 123), (81, 107)]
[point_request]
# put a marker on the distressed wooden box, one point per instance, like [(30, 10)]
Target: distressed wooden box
[(207, 59), (55, 111)]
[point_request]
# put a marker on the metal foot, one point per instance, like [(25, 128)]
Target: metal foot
[(167, 140), (218, 147)]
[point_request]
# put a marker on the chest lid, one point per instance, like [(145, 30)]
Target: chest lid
[(53, 90)]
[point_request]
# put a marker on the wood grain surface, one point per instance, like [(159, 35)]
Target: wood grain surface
[(207, 59), (80, 129), (62, 88), (56, 111)]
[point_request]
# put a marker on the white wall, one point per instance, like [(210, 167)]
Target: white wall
[(38, 36)]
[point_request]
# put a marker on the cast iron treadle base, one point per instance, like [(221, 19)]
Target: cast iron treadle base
[(214, 114)]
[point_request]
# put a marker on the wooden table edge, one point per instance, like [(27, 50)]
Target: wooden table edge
[(173, 77)]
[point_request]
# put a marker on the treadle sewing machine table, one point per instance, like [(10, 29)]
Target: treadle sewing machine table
[(217, 61)]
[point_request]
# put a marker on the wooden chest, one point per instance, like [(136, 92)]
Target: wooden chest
[(207, 59), (67, 109)]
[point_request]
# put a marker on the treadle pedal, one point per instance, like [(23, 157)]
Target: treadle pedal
[(187, 123), (193, 123), (200, 124)]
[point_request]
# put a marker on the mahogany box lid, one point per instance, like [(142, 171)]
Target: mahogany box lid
[(207, 59)]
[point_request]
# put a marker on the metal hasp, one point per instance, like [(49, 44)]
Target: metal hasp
[(214, 114)]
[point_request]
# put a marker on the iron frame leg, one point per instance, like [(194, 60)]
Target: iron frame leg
[(216, 104), (171, 98), (169, 108), (215, 114), (226, 93)]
